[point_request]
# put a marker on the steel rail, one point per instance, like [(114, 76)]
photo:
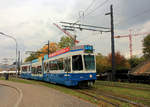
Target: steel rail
[(105, 94), (97, 98)]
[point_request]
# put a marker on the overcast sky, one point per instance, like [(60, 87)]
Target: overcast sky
[(30, 22)]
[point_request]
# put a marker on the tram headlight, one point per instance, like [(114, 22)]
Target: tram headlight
[(91, 76)]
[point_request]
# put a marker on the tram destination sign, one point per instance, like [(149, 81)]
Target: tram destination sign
[(86, 48)]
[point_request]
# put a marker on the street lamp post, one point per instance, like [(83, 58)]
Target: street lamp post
[(16, 45)]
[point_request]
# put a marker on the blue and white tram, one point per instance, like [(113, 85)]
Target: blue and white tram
[(71, 67), (36, 70), (26, 70)]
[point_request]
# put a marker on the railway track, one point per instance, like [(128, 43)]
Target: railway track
[(109, 95), (98, 98), (121, 86), (129, 87), (93, 92)]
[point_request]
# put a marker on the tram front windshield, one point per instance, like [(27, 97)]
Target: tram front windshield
[(89, 62), (77, 64)]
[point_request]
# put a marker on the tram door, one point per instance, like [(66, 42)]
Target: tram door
[(67, 65)]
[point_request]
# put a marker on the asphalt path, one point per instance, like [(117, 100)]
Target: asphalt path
[(8, 96), (41, 96)]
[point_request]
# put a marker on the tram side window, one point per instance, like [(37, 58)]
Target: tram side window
[(33, 70), (24, 69), (53, 65), (77, 64), (60, 64), (46, 66), (67, 65), (39, 70), (28, 68), (56, 64), (50, 65)]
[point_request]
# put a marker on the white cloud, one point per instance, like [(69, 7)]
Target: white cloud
[(30, 22)]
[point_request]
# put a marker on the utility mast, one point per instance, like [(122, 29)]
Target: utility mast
[(112, 43)]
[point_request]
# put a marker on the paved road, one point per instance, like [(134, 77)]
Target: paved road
[(8, 96), (41, 96)]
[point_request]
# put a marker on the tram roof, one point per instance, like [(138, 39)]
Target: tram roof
[(82, 48)]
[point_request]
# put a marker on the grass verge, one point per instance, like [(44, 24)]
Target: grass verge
[(139, 96), (123, 84)]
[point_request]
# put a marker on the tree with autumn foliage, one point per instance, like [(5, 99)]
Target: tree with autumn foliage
[(65, 41), (32, 56), (146, 47), (120, 60), (134, 61), (53, 47), (102, 63)]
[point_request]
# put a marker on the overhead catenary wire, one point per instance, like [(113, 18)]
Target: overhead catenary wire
[(91, 4), (97, 7), (83, 28), (134, 16), (83, 25)]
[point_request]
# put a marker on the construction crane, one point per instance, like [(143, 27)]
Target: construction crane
[(67, 33), (130, 39)]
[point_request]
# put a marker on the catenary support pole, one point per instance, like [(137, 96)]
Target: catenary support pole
[(112, 44)]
